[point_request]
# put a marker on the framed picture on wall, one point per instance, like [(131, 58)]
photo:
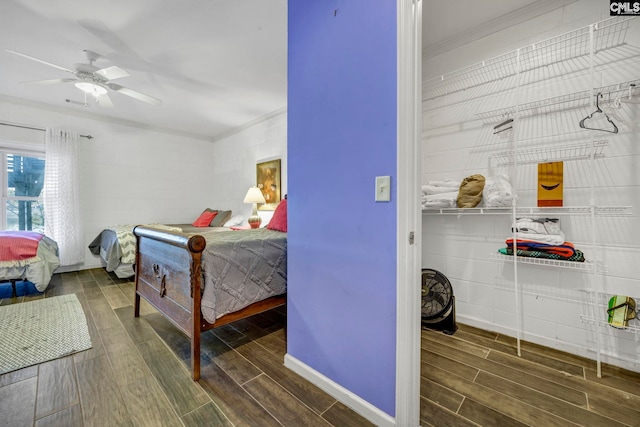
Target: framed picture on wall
[(268, 181)]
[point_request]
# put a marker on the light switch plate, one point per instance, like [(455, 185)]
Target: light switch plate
[(383, 188)]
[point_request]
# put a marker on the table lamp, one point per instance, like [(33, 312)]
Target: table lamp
[(254, 195)]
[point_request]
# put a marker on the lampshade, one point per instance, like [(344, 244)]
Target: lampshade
[(254, 195), (91, 88)]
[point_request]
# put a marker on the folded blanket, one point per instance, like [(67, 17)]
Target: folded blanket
[(578, 256), (127, 240), (549, 239), (445, 183), (440, 201), (549, 226), (565, 250), (18, 245), (434, 189)]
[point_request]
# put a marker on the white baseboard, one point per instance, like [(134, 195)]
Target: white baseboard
[(359, 405)]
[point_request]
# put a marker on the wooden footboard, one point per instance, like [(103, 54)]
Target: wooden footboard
[(169, 276)]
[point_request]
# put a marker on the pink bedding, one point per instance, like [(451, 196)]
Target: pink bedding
[(18, 245)]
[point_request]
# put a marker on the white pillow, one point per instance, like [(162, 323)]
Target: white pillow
[(234, 220)]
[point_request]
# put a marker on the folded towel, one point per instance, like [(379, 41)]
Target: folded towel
[(565, 249), (440, 201), (549, 239), (434, 189), (549, 226), (445, 183), (578, 256)]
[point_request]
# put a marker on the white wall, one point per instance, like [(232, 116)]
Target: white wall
[(460, 246), (234, 159), (131, 175), (128, 175)]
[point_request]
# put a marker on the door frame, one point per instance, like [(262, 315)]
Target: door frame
[(409, 218)]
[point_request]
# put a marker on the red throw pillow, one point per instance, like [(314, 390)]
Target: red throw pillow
[(204, 219), (279, 219)]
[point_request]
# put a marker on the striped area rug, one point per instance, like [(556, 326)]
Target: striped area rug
[(37, 331)]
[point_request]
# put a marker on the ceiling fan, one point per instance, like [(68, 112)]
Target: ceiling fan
[(92, 80)]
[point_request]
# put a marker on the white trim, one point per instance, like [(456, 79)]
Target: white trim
[(409, 217), (22, 148), (247, 125), (359, 405), (131, 123)]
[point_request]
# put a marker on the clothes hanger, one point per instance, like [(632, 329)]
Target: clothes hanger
[(598, 110), (501, 127)]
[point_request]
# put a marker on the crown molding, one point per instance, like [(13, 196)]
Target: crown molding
[(495, 25), (247, 125), (99, 117), (132, 123)]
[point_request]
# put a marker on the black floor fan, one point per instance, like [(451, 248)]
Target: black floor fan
[(438, 302)]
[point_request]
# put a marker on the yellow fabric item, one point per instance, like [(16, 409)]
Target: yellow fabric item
[(470, 193)]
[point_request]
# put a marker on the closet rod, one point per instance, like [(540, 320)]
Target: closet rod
[(34, 128)]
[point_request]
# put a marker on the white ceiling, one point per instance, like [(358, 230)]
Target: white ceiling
[(217, 65), (451, 23)]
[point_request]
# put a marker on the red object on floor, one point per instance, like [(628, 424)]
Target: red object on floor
[(240, 227)]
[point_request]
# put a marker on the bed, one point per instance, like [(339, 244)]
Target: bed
[(115, 245), (202, 281), (27, 255)]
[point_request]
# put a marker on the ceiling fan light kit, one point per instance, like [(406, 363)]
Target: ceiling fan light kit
[(91, 88), (92, 80)]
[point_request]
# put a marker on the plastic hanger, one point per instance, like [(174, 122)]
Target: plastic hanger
[(501, 127), (598, 111)]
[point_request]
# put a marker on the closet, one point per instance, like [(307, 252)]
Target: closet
[(572, 98)]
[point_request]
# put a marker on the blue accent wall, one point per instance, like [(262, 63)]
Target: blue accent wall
[(342, 127)]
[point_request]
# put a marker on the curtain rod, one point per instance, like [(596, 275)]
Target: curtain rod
[(34, 128)]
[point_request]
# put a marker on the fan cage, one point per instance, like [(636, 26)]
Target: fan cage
[(437, 296)]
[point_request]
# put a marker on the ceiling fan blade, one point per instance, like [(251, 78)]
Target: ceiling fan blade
[(134, 94), (104, 101), (50, 82), (40, 61), (112, 73)]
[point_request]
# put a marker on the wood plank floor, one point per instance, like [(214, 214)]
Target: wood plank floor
[(475, 377), (137, 374)]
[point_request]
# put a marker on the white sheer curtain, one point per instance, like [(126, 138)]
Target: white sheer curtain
[(61, 195)]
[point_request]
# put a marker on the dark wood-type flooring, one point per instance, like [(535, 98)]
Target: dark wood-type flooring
[(137, 374)]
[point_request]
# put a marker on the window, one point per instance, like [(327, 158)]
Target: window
[(23, 179)]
